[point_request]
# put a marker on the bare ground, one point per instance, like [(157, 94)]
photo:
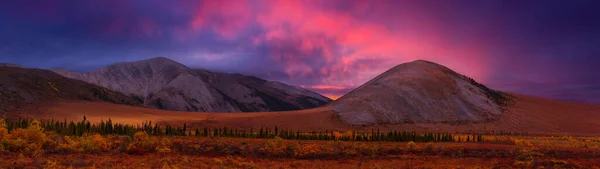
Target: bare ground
[(529, 114)]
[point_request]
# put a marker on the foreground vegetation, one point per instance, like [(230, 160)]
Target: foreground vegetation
[(35, 144)]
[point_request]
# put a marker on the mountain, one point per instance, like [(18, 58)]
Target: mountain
[(165, 84), (417, 96), (420, 92), (23, 87), (8, 65)]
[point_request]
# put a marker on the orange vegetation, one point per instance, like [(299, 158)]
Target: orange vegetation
[(34, 148), (188, 152)]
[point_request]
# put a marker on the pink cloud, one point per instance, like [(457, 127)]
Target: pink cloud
[(148, 28), (225, 17), (130, 28), (300, 33)]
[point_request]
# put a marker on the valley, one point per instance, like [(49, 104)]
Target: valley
[(455, 121), (536, 116)]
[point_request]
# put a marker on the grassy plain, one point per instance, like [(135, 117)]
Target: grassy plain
[(34, 148)]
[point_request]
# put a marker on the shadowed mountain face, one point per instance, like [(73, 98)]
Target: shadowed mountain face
[(23, 87), (8, 65), (420, 92), (165, 84)]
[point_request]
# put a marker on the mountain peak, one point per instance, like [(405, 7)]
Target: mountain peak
[(9, 65), (158, 59), (422, 64), (155, 61), (421, 61)]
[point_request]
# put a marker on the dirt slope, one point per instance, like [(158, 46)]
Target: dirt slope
[(310, 119), (529, 114)]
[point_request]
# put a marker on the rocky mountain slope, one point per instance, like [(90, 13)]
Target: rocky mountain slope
[(24, 87), (165, 84), (420, 92)]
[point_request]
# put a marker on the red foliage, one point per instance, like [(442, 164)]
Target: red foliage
[(135, 151)]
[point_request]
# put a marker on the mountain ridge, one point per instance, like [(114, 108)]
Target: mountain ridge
[(166, 84), (22, 88)]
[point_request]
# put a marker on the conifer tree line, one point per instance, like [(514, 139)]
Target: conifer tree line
[(72, 128)]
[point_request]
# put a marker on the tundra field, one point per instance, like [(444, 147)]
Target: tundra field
[(81, 144)]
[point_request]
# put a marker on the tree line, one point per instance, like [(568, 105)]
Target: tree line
[(108, 127)]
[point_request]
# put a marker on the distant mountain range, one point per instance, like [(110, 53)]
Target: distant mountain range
[(165, 84), (414, 92), (413, 96)]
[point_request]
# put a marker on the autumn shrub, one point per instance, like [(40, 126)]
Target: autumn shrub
[(429, 146), (559, 163), (164, 147), (238, 162), (520, 142), (3, 129), (373, 150), (50, 164), (213, 145), (527, 157), (140, 141), (331, 148), (133, 150), (28, 140), (14, 145), (206, 146), (87, 145), (193, 148), (233, 149), (307, 151), (220, 146), (179, 144), (361, 149), (349, 149), (522, 164), (274, 148), (141, 137), (20, 161), (94, 143), (119, 144), (369, 150), (68, 145), (245, 149), (412, 146), (528, 154), (51, 141)]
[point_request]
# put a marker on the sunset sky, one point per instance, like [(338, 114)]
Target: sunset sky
[(543, 48)]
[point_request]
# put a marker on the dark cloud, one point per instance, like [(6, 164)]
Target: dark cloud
[(542, 48)]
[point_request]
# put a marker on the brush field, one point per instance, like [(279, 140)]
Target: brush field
[(34, 144)]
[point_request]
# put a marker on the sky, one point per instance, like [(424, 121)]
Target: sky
[(543, 48)]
